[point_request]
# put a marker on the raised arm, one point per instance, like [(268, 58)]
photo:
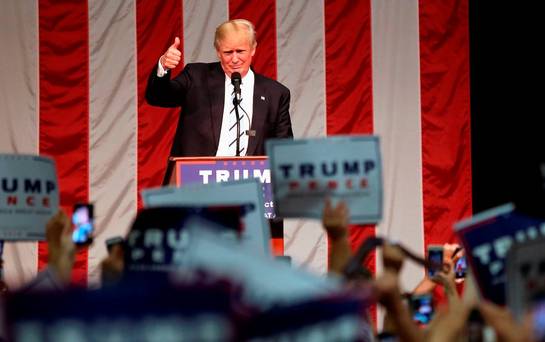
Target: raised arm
[(161, 90)]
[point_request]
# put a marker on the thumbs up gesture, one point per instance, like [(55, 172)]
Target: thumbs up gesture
[(171, 58)]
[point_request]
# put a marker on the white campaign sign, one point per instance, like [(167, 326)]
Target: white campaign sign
[(305, 172), (29, 196), (256, 235)]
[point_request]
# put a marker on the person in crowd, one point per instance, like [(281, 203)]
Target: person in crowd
[(451, 288), (60, 258), (205, 91), (398, 320)]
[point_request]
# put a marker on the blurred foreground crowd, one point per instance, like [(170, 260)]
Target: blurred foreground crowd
[(252, 299)]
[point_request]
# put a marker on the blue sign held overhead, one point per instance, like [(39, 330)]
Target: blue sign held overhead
[(487, 238)]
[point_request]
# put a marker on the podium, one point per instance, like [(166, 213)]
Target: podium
[(203, 170)]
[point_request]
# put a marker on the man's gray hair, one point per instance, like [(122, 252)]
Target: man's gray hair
[(235, 25)]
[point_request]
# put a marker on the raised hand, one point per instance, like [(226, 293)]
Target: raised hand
[(61, 248), (335, 219), (172, 57)]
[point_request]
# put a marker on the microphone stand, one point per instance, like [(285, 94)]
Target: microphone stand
[(236, 103)]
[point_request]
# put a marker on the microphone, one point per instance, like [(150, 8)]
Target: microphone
[(236, 80)]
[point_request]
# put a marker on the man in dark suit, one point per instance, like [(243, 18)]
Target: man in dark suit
[(204, 91)]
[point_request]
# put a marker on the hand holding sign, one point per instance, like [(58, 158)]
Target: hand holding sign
[(173, 56)]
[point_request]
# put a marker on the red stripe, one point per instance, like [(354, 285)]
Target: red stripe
[(349, 82), (157, 24), (446, 140), (64, 105), (348, 67), (263, 16)]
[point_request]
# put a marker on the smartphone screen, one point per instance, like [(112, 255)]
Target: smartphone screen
[(435, 258), (422, 308), (460, 268), (82, 221)]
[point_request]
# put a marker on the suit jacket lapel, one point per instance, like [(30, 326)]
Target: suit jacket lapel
[(216, 89), (258, 117)]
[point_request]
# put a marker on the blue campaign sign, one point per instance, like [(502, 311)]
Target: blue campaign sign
[(159, 238), (203, 170), (487, 238), (29, 196), (305, 172), (143, 311), (336, 318)]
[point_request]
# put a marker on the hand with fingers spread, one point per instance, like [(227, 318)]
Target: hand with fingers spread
[(172, 57)]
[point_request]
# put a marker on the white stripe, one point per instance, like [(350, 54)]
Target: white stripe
[(113, 121), (396, 108), (300, 55), (19, 112), (201, 17)]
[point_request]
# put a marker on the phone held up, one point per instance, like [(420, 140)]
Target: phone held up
[(435, 259), (460, 268), (83, 223), (421, 307)]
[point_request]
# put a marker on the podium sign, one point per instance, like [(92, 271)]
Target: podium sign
[(205, 170)]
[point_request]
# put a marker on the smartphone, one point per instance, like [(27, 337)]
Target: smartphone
[(421, 308), (460, 268), (83, 223), (435, 259)]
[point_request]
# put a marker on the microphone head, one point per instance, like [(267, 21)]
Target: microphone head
[(236, 78)]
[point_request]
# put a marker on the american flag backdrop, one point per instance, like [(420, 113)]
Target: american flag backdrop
[(73, 75)]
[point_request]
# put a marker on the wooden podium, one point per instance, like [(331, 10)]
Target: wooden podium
[(198, 170)]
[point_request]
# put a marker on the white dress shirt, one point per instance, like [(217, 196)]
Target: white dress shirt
[(227, 144)]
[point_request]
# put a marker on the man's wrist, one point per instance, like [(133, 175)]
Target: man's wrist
[(335, 234), (161, 70)]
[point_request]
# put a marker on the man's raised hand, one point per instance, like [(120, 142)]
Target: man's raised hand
[(173, 56)]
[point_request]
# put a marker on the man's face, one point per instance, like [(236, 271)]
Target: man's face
[(235, 52)]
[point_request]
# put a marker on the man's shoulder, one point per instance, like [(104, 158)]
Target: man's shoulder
[(202, 67), (270, 83)]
